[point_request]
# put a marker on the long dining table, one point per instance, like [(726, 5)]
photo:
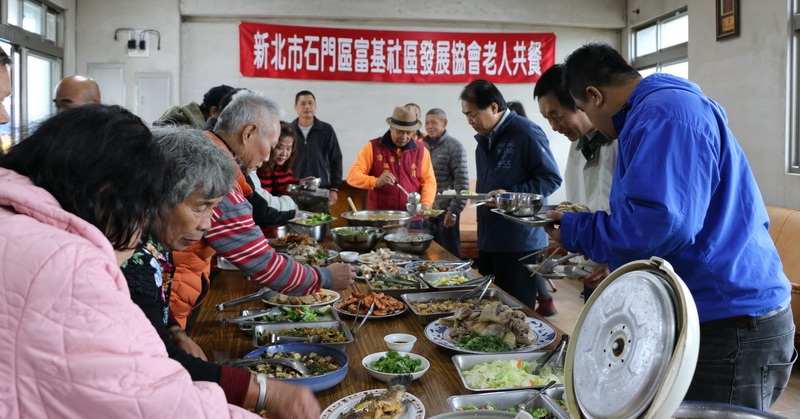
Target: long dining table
[(440, 382)]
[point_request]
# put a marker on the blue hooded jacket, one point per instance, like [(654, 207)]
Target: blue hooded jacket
[(683, 191), (517, 159)]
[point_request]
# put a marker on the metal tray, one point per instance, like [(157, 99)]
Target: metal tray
[(397, 292), (528, 220), (473, 197), (466, 362), (277, 327), (421, 297), (331, 316), (429, 277), (504, 400)]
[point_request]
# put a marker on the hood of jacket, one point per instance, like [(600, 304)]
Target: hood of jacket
[(655, 84)]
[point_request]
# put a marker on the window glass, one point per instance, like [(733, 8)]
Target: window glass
[(40, 96), (646, 41), (663, 46), (680, 69), (51, 33), (13, 12), (675, 31), (648, 71), (6, 140), (32, 17)]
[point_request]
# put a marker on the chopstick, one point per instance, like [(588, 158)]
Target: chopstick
[(552, 246), (364, 320)]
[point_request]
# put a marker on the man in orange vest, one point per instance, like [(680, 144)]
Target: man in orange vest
[(395, 159)]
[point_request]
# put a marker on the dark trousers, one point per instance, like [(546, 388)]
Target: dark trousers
[(748, 364), (449, 238), (512, 276)]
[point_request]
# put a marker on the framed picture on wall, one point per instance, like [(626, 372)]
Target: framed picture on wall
[(727, 19)]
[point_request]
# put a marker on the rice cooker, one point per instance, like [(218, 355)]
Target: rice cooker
[(634, 349)]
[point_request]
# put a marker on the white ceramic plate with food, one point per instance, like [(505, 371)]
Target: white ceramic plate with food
[(544, 334), (371, 316), (317, 299), (415, 409)]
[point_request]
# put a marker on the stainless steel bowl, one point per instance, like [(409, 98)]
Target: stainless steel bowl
[(357, 242), (317, 232), (414, 243), (528, 203), (378, 218), (310, 184), (507, 202)]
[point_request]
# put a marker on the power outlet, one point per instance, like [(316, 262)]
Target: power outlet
[(140, 53)]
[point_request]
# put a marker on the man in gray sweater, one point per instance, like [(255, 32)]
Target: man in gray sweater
[(449, 161)]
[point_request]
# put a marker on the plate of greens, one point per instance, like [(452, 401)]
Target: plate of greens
[(543, 335)]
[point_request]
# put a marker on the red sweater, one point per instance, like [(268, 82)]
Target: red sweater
[(277, 181)]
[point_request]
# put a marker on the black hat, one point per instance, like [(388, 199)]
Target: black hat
[(215, 94)]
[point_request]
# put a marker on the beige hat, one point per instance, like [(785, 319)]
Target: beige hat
[(404, 118)]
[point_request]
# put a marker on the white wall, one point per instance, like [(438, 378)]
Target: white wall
[(96, 23), (748, 75)]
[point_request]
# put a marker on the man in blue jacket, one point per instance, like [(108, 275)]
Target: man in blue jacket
[(513, 154), (683, 190)]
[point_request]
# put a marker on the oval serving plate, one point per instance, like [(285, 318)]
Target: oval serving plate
[(544, 335), (372, 316), (415, 410), (325, 297)]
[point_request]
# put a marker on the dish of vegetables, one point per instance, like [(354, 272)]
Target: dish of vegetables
[(313, 220)]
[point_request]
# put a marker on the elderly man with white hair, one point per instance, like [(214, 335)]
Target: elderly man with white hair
[(248, 128)]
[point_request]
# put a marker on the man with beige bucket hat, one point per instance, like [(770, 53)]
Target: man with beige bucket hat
[(395, 159)]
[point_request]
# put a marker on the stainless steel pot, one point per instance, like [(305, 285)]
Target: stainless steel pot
[(377, 218)]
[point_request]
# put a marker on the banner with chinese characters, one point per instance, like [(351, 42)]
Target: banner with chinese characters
[(313, 53)]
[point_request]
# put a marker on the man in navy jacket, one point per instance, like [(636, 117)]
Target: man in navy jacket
[(513, 155)]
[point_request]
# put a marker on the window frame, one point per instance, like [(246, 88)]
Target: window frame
[(794, 97), (24, 43), (668, 55)]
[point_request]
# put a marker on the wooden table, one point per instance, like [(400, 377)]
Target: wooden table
[(440, 382)]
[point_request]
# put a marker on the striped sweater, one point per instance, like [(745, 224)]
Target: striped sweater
[(450, 165), (235, 236), (277, 181)]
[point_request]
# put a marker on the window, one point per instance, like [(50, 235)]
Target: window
[(794, 118), (663, 46), (33, 31)]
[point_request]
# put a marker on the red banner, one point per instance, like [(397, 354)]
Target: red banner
[(302, 52)]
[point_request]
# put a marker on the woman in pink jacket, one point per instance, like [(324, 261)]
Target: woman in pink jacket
[(74, 199)]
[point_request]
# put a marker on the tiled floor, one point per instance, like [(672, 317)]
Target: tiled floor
[(569, 304)]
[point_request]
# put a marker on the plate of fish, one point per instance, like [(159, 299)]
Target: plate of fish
[(391, 403), (317, 299)]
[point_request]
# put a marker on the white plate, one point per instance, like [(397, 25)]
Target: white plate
[(440, 335), (372, 316), (333, 300), (416, 410), (392, 256)]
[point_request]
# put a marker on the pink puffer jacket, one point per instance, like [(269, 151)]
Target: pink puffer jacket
[(72, 344)]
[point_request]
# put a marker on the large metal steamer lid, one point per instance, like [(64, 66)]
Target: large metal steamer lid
[(634, 348)]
